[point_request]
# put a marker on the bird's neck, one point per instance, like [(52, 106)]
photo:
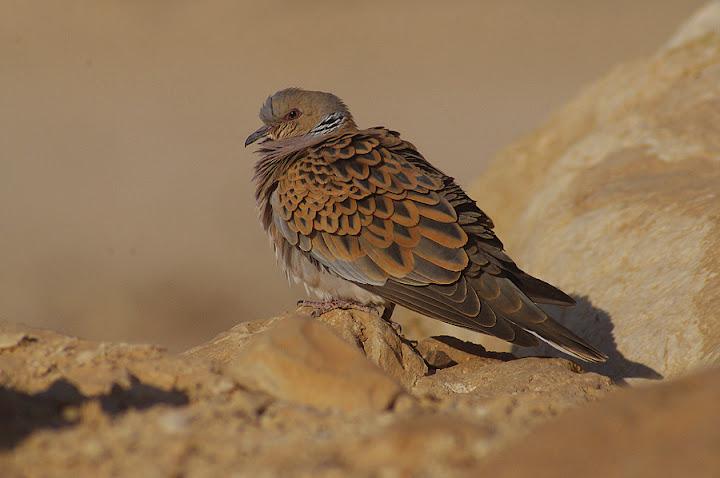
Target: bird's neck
[(333, 123)]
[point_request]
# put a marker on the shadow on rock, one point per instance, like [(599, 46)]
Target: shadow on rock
[(473, 349), (22, 413), (595, 325)]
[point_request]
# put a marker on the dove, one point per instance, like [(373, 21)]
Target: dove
[(363, 220)]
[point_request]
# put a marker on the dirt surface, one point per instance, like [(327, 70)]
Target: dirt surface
[(665, 430), (342, 395)]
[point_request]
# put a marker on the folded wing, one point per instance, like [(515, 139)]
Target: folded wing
[(369, 208)]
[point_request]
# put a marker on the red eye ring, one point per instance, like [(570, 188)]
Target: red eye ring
[(293, 114)]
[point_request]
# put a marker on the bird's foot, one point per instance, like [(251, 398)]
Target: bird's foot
[(321, 307), (387, 317), (396, 327)]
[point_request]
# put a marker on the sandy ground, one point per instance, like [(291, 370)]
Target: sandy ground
[(126, 208)]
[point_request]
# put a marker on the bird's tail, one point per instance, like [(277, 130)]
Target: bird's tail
[(564, 340), (519, 307)]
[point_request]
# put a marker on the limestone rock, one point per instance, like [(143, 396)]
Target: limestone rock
[(702, 22), (655, 431), (423, 445), (444, 351), (372, 336), (275, 403), (486, 378), (225, 346), (303, 361), (519, 393), (379, 342)]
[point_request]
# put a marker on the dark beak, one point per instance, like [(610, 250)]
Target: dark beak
[(257, 135)]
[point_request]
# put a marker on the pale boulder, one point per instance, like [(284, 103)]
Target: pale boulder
[(617, 201), (303, 361), (374, 338), (663, 430), (380, 343)]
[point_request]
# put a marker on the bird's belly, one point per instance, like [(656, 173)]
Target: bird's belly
[(324, 285)]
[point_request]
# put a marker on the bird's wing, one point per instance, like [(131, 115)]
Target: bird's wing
[(368, 207)]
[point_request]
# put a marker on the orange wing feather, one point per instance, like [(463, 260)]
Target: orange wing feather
[(370, 209)]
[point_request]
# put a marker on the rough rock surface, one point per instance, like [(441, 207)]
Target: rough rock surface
[(617, 201), (303, 361), (375, 338), (290, 395), (667, 430)]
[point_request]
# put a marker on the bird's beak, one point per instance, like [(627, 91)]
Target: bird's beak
[(257, 135)]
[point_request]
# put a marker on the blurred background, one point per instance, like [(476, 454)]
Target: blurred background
[(126, 206)]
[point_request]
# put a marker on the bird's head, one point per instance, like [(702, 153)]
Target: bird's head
[(294, 113)]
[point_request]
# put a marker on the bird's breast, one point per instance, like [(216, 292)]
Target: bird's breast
[(316, 279)]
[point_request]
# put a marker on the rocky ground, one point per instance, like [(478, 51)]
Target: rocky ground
[(297, 396)]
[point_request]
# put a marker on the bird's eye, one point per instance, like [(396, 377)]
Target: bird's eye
[(292, 114)]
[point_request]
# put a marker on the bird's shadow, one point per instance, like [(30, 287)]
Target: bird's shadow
[(596, 326), (23, 413)]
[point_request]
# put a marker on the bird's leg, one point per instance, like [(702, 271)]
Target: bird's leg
[(321, 307), (388, 311), (387, 316)]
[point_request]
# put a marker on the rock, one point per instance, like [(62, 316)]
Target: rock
[(303, 361), (666, 430), (10, 339), (617, 201), (444, 351), (486, 378), (224, 347), (374, 337), (379, 342), (513, 396), (265, 391), (424, 445), (704, 21)]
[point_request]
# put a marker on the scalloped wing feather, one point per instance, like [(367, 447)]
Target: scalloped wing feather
[(370, 209)]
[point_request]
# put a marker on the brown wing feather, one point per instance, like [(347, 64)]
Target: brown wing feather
[(368, 207)]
